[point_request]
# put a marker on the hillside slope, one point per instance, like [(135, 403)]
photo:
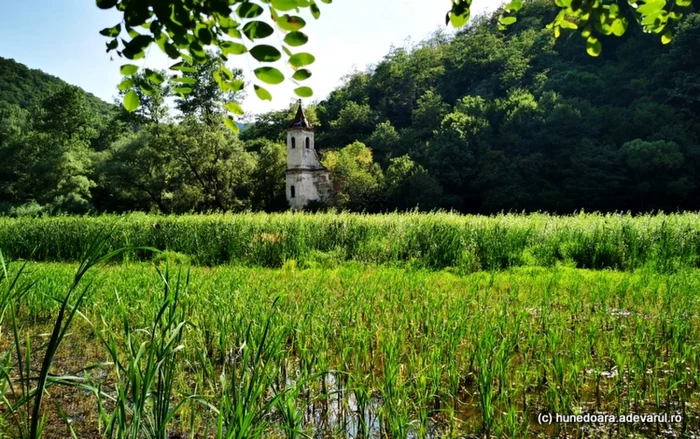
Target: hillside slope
[(25, 87), (486, 120)]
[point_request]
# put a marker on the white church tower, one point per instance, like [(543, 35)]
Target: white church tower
[(307, 179)]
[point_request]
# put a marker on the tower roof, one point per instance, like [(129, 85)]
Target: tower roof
[(300, 120)]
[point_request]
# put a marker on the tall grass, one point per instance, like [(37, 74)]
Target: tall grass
[(24, 402), (363, 352), (146, 369), (440, 240)]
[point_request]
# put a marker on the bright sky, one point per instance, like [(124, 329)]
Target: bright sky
[(61, 37)]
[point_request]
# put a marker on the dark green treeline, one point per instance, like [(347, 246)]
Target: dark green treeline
[(478, 122)]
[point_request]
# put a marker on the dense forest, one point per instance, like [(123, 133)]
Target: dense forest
[(26, 88), (481, 121)]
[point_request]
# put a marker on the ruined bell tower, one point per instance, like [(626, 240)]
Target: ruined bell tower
[(307, 179)]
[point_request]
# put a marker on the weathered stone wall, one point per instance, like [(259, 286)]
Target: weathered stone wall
[(307, 179), (309, 185), (323, 184), (300, 156)]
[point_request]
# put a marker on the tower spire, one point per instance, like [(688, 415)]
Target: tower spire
[(300, 120)]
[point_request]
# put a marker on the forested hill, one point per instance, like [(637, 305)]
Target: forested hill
[(25, 87), (480, 122), (490, 120)]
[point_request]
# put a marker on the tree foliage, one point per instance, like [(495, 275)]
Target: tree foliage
[(26, 88), (594, 19), (519, 120), (47, 153), (184, 30), (205, 98), (63, 156), (357, 179), (482, 121)]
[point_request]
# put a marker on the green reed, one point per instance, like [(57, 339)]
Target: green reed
[(366, 351), (664, 243)]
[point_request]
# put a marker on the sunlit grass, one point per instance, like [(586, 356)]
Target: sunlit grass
[(437, 241), (361, 351)]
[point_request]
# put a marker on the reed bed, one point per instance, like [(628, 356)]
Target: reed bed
[(356, 351), (436, 241)]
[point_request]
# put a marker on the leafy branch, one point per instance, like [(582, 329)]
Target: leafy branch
[(593, 18), (183, 29)]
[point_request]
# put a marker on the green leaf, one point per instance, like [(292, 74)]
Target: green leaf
[(128, 69), (618, 27), (147, 88), (586, 32), (460, 13), (234, 33), (301, 75), (457, 21), (652, 18), (593, 46), (225, 71), (249, 10), (171, 51), (269, 75), (315, 11), (182, 67), (284, 5), (230, 124), (566, 24), (304, 92), (262, 93), (204, 34), (135, 48), (265, 53), (237, 85), (182, 90), (514, 6), (231, 48), (507, 21), (112, 45), (197, 51), (183, 80), (234, 108), (223, 85), (106, 4), (296, 39), (154, 77), (666, 37), (111, 32), (651, 7), (257, 29), (125, 84), (291, 23), (614, 11), (301, 59), (131, 101), (227, 22)]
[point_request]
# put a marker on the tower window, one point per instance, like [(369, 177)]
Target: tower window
[(292, 192), (307, 143), (294, 142)]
